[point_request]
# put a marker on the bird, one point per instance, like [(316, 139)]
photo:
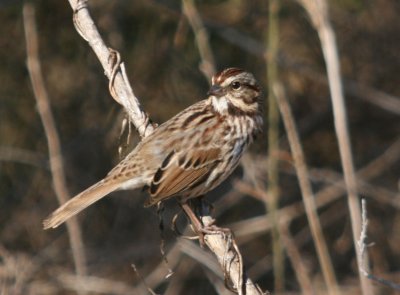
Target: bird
[(188, 155)]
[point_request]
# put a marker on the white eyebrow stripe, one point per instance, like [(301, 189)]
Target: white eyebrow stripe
[(228, 81)]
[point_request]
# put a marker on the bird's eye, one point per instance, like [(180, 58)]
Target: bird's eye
[(236, 85)]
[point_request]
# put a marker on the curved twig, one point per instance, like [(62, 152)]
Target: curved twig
[(123, 91)]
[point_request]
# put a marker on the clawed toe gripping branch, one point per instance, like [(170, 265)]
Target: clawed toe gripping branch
[(198, 227), (206, 230)]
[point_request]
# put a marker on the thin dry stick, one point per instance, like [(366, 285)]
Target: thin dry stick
[(379, 194), (207, 65), (123, 94), (363, 249), (145, 286), (218, 285), (159, 273), (306, 191), (272, 199), (301, 271), (196, 253), (53, 141), (363, 236), (18, 155), (374, 96), (180, 276), (318, 12)]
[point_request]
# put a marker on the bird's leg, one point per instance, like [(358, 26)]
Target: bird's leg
[(195, 221), (197, 224), (204, 208)]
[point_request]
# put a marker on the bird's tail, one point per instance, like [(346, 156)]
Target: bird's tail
[(79, 202)]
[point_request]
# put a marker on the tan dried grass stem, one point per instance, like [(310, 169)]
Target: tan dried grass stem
[(207, 65), (301, 271), (53, 141), (306, 191), (272, 195)]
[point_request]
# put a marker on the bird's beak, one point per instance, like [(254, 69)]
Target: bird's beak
[(215, 90)]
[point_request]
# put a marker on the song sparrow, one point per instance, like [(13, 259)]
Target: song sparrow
[(188, 155)]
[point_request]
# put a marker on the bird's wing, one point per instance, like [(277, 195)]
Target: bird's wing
[(181, 171)]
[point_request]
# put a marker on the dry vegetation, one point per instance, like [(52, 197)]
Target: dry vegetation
[(163, 59)]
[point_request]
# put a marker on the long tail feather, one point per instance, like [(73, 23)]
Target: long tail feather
[(78, 203)]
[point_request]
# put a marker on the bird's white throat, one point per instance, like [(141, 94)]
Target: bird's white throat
[(219, 104)]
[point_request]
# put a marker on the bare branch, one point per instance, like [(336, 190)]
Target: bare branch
[(53, 141), (123, 92), (363, 236)]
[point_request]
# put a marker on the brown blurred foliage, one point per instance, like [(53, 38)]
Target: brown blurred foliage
[(162, 60)]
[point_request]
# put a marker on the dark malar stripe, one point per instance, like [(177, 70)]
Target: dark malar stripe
[(193, 117), (234, 111)]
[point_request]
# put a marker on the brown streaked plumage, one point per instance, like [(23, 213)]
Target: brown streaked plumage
[(188, 155)]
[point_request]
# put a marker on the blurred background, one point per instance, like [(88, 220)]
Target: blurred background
[(158, 46)]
